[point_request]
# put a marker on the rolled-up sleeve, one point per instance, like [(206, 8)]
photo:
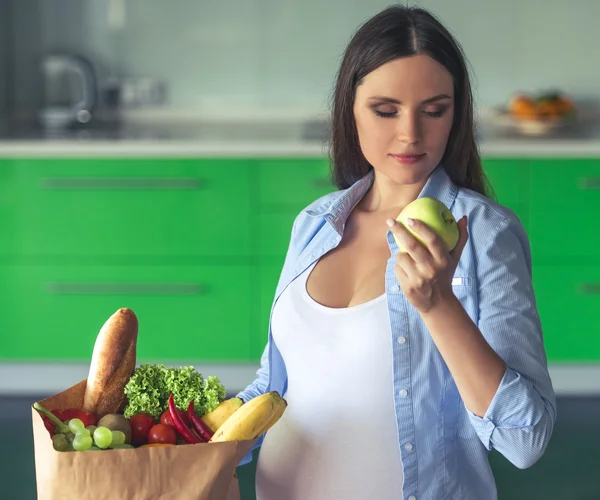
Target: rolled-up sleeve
[(520, 419)]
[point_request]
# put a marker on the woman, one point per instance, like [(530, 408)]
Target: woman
[(402, 369)]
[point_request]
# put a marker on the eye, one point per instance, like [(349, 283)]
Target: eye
[(435, 113), (389, 112)]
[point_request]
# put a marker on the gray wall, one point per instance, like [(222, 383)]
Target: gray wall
[(4, 52), (246, 56)]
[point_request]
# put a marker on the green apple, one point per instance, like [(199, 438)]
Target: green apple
[(433, 213)]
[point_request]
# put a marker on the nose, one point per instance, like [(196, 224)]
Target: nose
[(409, 128)]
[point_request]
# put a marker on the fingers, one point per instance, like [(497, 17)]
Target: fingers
[(408, 242), (436, 246), (463, 236)]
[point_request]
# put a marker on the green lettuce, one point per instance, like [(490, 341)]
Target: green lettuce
[(149, 388)]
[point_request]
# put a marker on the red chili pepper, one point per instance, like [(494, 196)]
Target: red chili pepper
[(198, 424), (187, 435), (51, 426), (85, 416)]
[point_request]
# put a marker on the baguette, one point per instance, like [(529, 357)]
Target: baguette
[(113, 363)]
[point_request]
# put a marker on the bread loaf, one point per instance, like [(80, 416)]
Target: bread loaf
[(113, 363)]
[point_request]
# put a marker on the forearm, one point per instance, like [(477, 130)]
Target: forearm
[(476, 368)]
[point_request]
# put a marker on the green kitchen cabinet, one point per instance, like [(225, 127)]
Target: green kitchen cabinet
[(565, 209), (510, 182), (196, 313), (568, 298), (97, 208), (8, 199), (290, 184), (274, 231)]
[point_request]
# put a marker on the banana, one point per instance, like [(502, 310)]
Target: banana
[(221, 413), (281, 406), (250, 419)]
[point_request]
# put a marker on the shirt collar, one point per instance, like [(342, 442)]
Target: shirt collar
[(336, 212)]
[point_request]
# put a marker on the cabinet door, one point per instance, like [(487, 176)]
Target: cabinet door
[(133, 207), (509, 178), (185, 313), (568, 298), (292, 183), (274, 231), (8, 207), (565, 209)]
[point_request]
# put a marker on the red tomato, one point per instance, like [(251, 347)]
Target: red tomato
[(162, 433), (85, 416), (140, 428), (166, 419)]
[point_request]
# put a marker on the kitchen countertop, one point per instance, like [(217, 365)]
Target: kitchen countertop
[(260, 139)]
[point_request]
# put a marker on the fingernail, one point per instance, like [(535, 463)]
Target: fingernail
[(390, 222), (411, 222)]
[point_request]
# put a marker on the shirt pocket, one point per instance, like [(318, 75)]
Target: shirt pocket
[(461, 286), (465, 291)]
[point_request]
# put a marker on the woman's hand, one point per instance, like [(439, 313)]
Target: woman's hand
[(425, 271)]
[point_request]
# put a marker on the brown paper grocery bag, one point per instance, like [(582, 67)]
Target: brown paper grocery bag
[(182, 472)]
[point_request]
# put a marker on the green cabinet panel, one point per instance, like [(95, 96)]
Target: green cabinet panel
[(185, 313), (568, 298), (565, 209), (292, 182), (8, 199), (510, 180), (274, 231), (131, 207)]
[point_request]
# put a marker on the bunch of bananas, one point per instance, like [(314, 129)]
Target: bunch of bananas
[(234, 420)]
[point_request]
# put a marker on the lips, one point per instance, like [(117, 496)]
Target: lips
[(408, 159)]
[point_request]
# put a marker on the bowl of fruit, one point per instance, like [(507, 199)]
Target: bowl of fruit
[(538, 114)]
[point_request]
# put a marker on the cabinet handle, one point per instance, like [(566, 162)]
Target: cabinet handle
[(134, 183), (589, 183), (82, 288), (322, 182), (589, 288)]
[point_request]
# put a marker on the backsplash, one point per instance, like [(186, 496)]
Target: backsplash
[(254, 56)]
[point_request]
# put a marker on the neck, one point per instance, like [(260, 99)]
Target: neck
[(387, 198)]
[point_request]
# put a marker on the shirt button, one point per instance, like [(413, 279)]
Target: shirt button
[(408, 447), (401, 340), (395, 288), (412, 497), (403, 393)]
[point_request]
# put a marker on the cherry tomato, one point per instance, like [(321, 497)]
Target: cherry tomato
[(162, 433), (166, 419), (141, 424)]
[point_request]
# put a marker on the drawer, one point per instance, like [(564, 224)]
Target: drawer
[(509, 179), (274, 233), (292, 182), (8, 207), (131, 207), (185, 313), (565, 207), (568, 300)]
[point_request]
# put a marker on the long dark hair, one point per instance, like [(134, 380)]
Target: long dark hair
[(400, 31)]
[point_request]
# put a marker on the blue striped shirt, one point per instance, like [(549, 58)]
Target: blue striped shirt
[(444, 446)]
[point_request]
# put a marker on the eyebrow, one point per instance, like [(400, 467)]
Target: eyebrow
[(391, 100)]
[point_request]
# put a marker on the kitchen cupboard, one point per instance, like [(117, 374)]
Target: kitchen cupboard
[(195, 246)]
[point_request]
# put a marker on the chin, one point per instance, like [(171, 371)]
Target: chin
[(406, 174)]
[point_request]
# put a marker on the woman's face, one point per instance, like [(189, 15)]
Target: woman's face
[(403, 112)]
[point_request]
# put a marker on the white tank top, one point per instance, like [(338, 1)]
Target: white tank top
[(337, 439)]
